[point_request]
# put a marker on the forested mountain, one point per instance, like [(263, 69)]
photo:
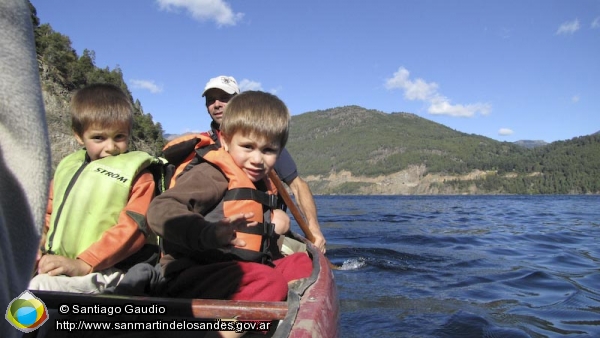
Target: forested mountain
[(531, 144), (62, 72), (372, 148), (350, 150)]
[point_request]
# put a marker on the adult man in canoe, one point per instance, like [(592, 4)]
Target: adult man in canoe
[(218, 91)]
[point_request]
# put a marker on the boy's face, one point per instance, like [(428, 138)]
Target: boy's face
[(103, 142), (254, 155)]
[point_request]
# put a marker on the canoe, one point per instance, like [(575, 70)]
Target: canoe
[(315, 311), (311, 308)]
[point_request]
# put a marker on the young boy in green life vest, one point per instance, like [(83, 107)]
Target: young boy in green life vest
[(96, 214)]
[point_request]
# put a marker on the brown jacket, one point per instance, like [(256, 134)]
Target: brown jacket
[(184, 216)]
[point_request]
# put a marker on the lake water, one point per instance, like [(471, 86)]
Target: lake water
[(465, 266)]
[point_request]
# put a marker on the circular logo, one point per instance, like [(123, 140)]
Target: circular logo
[(26, 312)]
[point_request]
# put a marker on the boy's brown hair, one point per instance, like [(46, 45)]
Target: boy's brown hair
[(101, 105), (256, 113)]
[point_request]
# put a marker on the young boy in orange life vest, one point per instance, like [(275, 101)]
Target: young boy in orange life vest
[(218, 91), (198, 221)]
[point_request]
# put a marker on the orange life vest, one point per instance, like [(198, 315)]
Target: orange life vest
[(241, 195), (182, 150)]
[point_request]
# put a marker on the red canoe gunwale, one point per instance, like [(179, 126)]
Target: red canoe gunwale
[(313, 307)]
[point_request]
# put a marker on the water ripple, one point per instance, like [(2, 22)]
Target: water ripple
[(465, 266)]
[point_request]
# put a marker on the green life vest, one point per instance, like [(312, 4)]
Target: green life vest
[(89, 196)]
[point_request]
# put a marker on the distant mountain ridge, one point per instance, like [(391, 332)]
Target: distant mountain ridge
[(354, 150), (530, 143)]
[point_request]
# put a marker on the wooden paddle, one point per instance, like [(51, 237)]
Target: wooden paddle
[(295, 211)]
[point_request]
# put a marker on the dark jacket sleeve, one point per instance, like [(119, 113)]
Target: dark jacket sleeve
[(177, 214), (286, 167)]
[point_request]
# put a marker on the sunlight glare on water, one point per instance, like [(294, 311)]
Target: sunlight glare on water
[(353, 264)]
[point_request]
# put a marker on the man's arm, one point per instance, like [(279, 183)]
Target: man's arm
[(307, 205), (288, 172)]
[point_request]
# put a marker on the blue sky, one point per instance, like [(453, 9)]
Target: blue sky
[(509, 70)]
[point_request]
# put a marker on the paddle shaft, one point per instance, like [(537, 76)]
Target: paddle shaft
[(294, 210), (292, 206)]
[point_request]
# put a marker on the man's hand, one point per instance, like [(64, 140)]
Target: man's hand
[(55, 265), (308, 207), (319, 238)]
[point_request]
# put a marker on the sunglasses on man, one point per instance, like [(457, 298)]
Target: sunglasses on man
[(223, 98)]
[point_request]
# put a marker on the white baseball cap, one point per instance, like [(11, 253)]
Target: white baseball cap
[(226, 83)]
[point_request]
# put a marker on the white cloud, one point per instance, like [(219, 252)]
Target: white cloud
[(441, 106), (146, 84), (568, 27), (204, 10), (413, 90), (421, 90), (596, 23), (575, 98), (246, 84), (505, 132)]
